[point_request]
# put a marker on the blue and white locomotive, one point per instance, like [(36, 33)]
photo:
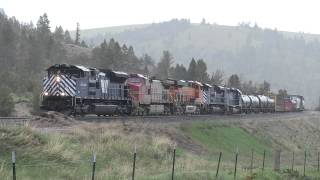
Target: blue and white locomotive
[(82, 90)]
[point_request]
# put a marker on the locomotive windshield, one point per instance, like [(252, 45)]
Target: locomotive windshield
[(134, 80), (69, 70)]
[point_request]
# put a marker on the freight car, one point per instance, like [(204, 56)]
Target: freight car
[(75, 89)]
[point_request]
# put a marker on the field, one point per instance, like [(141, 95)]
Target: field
[(56, 147)]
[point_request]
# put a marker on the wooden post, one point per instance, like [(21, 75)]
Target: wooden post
[(318, 161), (277, 160), (13, 165), (235, 166), (292, 161), (93, 166), (218, 167), (264, 157), (304, 164), (134, 162), (173, 163), (251, 162)]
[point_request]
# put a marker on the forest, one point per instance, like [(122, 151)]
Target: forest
[(27, 50)]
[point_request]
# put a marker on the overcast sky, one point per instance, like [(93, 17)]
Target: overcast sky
[(293, 15)]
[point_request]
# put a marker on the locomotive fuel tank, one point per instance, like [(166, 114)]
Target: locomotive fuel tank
[(105, 109)]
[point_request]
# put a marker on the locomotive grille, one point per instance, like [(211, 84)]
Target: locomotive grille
[(59, 85)]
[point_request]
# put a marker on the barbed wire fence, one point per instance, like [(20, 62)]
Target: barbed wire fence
[(248, 163)]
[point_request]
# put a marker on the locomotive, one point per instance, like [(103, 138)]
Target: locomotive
[(83, 90), (76, 89)]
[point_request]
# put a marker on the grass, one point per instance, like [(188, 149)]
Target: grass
[(67, 155)]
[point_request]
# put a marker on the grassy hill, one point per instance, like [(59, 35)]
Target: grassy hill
[(62, 148), (286, 59)]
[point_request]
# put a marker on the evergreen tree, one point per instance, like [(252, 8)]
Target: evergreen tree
[(6, 101), (234, 81), (164, 65), (58, 34), (83, 44), (192, 70), (179, 72), (201, 71), (77, 39), (148, 63), (67, 37), (43, 25)]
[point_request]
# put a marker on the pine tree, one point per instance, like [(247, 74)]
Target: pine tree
[(77, 41), (58, 34), (201, 71), (192, 70), (164, 65), (234, 81), (179, 72), (43, 25), (67, 37), (83, 44), (6, 101)]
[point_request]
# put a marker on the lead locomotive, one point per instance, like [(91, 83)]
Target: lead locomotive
[(82, 90)]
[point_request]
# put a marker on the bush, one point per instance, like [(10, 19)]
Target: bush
[(36, 99), (6, 101)]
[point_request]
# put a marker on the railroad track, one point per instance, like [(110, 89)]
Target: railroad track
[(15, 121), (186, 118), (20, 121)]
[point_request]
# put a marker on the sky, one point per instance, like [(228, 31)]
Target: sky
[(285, 15)]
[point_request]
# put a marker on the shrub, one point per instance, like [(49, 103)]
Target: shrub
[(6, 101)]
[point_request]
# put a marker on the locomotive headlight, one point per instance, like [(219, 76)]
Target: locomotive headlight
[(63, 94), (46, 93), (58, 79)]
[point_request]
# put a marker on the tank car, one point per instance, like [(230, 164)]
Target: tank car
[(245, 104)]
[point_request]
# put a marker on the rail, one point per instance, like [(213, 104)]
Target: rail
[(13, 121)]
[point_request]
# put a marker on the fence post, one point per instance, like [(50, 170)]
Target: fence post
[(134, 161), (304, 164), (292, 161), (251, 162), (13, 165), (277, 160), (218, 167), (235, 166), (264, 157), (318, 161), (94, 160), (173, 162)]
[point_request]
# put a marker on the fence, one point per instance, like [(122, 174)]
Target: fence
[(249, 163)]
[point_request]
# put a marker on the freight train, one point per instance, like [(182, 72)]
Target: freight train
[(80, 90)]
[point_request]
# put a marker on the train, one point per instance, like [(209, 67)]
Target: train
[(80, 90)]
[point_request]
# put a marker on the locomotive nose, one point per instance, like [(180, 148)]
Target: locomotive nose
[(58, 78)]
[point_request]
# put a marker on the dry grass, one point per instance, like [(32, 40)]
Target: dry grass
[(67, 153)]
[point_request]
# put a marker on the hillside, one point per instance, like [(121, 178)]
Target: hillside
[(286, 59), (58, 147)]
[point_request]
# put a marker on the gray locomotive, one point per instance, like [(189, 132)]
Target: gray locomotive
[(83, 90)]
